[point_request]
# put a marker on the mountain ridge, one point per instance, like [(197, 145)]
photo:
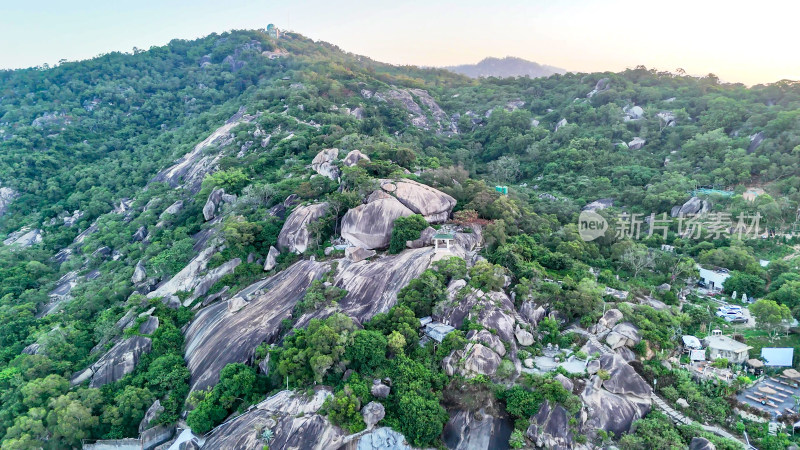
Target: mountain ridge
[(509, 66)]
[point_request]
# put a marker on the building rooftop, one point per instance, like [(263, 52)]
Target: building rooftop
[(725, 343), (437, 330), (691, 342)]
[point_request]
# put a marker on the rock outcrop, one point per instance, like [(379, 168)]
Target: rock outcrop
[(24, 237), (139, 273), (7, 195), (116, 363), (373, 413), (550, 428), (480, 360), (599, 204), (493, 310), (637, 143), (292, 419), (218, 336), (194, 277), (614, 404), (191, 168), (370, 225), (383, 438), (152, 414), (324, 165), (215, 199), (624, 334), (694, 205), (294, 235), (560, 124), (354, 157), (477, 430), (699, 443), (431, 203), (755, 142), (272, 259), (488, 339), (602, 85)]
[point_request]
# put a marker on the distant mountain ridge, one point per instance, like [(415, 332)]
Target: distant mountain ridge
[(509, 66)]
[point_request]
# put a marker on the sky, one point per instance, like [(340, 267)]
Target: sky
[(739, 41)]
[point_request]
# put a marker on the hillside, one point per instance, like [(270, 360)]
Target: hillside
[(505, 68), (250, 228)]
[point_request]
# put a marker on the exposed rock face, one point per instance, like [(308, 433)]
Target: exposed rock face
[(373, 413), (607, 322), (614, 404), (602, 85), (24, 237), (755, 142), (174, 208), (61, 293), (218, 336), (191, 277), (32, 349), (525, 338), (475, 431), (383, 438), (493, 310), (294, 235), (116, 363), (550, 428), (139, 273), (599, 204), (532, 312), (699, 443), (272, 259), (418, 117), (280, 209), (291, 417), (216, 198), (634, 113), (566, 382), (481, 360), (431, 203), (667, 117), (149, 326), (357, 254), (152, 413), (561, 123), (354, 157), (372, 286), (323, 163), (191, 168), (379, 390), (488, 339), (425, 239), (140, 234), (623, 334), (370, 225), (694, 205), (7, 195), (637, 143)]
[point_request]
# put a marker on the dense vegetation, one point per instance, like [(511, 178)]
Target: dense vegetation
[(84, 135)]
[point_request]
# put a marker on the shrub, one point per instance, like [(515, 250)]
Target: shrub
[(406, 229)]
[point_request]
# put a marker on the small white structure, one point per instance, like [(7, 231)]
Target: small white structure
[(713, 278), (443, 242), (668, 248), (720, 346)]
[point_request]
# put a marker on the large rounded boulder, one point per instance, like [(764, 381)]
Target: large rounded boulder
[(431, 203), (294, 235), (370, 225)]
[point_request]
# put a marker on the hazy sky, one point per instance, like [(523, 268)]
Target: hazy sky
[(745, 41)]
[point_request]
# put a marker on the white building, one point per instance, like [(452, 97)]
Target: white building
[(713, 278), (720, 346)]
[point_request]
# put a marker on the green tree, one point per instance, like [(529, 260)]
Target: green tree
[(741, 282), (406, 229), (770, 315)]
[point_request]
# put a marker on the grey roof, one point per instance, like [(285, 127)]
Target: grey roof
[(691, 342), (725, 343), (437, 330), (778, 356)]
